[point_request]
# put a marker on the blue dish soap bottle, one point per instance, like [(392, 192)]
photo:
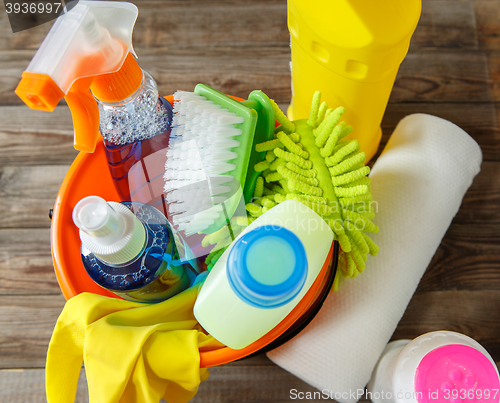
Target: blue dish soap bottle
[(88, 59), (131, 250)]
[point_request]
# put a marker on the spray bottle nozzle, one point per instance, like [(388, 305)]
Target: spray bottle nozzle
[(88, 47)]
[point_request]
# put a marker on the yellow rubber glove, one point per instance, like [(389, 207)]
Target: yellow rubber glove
[(133, 353)]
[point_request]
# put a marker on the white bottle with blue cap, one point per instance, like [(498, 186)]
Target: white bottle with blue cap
[(263, 274)]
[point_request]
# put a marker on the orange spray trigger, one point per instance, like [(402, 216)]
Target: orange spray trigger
[(85, 113), (39, 91), (91, 40)]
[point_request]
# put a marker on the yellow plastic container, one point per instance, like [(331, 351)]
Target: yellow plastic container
[(350, 50)]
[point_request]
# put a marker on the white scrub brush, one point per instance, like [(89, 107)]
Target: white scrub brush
[(208, 156)]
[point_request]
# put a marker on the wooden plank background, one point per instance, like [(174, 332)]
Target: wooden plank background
[(452, 70)]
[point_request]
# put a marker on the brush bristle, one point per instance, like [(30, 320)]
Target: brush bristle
[(197, 171)]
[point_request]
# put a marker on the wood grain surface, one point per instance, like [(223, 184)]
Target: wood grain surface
[(452, 70)]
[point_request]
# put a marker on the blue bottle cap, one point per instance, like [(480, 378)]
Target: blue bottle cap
[(267, 267)]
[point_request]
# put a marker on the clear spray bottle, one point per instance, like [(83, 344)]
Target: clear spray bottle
[(87, 58)]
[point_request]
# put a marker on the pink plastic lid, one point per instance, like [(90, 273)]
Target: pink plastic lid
[(454, 374)]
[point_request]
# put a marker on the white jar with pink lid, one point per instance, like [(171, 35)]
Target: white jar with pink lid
[(437, 367)]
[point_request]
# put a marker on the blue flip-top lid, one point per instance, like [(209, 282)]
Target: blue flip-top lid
[(267, 267)]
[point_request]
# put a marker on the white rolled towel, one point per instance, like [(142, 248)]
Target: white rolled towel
[(419, 182)]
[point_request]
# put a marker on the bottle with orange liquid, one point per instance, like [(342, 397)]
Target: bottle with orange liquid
[(87, 58)]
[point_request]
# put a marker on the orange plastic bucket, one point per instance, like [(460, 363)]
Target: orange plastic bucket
[(89, 175)]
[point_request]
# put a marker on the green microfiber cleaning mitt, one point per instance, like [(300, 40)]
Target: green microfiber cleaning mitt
[(310, 161), (314, 165)]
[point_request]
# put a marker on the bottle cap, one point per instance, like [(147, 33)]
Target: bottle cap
[(109, 230), (383, 32), (88, 47), (120, 85), (267, 267), (456, 373)]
